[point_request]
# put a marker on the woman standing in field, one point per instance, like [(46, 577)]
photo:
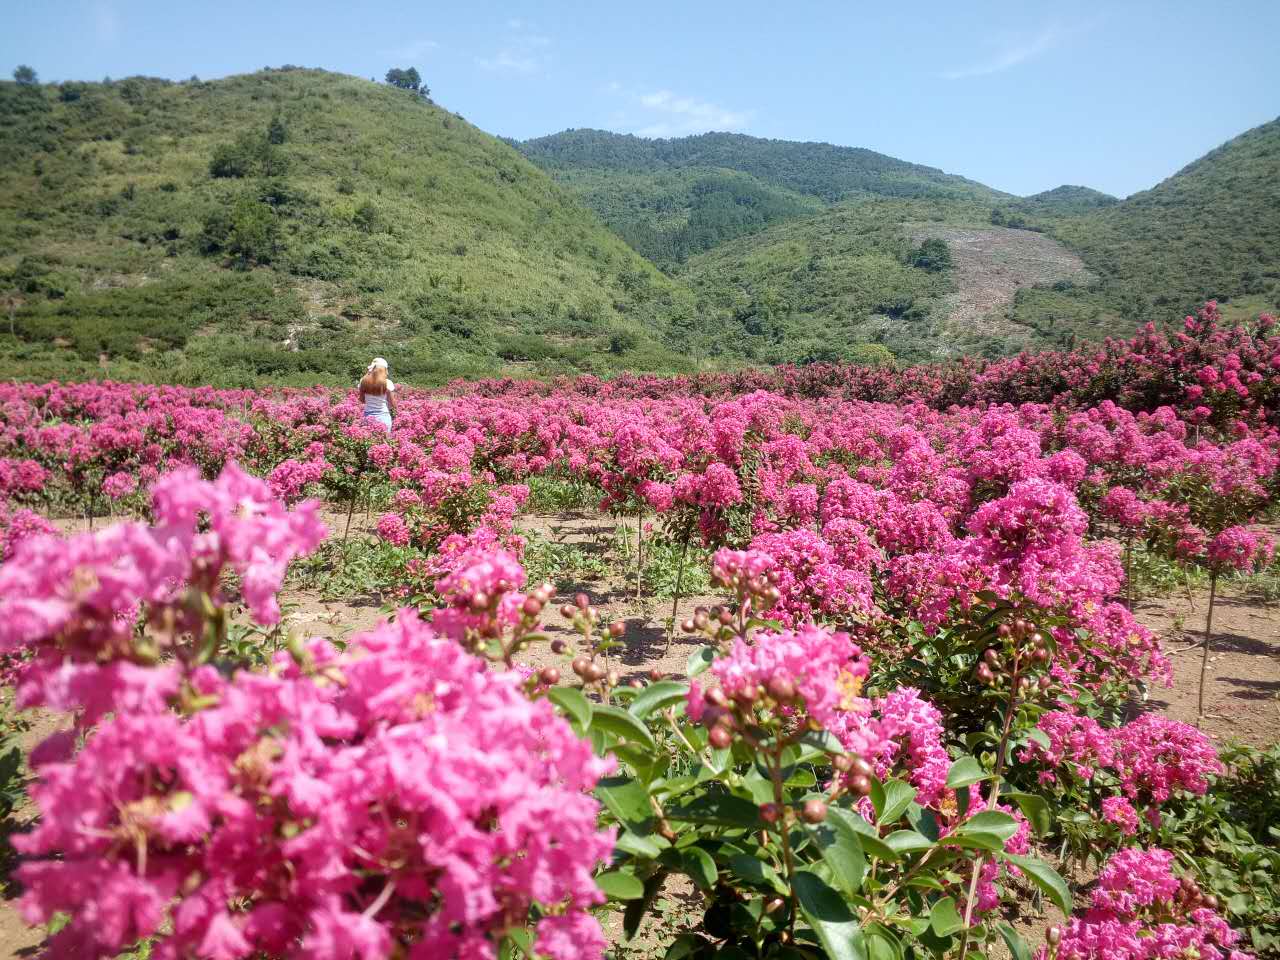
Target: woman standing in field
[(375, 393)]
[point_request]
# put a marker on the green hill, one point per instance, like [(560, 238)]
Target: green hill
[(290, 224), (919, 278), (1212, 230), (672, 198)]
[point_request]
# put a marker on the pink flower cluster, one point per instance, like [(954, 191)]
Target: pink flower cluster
[(78, 600), (394, 800), (1150, 759), (1141, 911)]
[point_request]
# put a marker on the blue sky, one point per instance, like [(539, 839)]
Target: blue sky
[(1020, 95)]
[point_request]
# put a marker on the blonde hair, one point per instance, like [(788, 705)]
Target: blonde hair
[(374, 382)]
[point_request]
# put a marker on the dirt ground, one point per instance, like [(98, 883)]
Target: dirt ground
[(1243, 683)]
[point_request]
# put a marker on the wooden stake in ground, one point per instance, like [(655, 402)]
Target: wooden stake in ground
[(675, 603), (1208, 632), (639, 550), (351, 508)]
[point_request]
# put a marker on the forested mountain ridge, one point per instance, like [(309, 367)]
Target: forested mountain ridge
[(673, 198), (823, 170), (289, 224)]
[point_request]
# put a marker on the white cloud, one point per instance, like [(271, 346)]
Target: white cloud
[(522, 53), (411, 51), (674, 115), (1019, 50)]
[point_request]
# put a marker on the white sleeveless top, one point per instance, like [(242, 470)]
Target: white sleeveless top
[(376, 404)]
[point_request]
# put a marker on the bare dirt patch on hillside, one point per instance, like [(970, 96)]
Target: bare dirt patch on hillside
[(990, 264)]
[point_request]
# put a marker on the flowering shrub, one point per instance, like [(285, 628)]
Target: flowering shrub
[(925, 567), (395, 796), (1142, 911)]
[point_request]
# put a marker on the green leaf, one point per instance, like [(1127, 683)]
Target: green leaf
[(878, 798), (756, 871), (620, 885), (1046, 878), (907, 841), (1017, 948), (842, 852), (944, 919), (657, 696), (685, 945), (830, 917), (625, 798), (965, 771), (991, 821), (638, 846), (868, 837), (718, 808), (700, 867), (897, 797), (976, 839), (882, 944), (1035, 808), (699, 661), (621, 724), (573, 703)]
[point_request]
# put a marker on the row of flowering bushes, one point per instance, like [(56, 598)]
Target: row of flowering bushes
[(914, 684)]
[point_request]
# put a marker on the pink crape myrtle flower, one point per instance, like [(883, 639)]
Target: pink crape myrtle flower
[(418, 807)]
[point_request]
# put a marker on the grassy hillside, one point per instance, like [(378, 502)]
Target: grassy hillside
[(1212, 230), (290, 224), (672, 198), (827, 283)]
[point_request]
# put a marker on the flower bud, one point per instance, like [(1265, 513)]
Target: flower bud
[(580, 666), (1053, 935), (636, 683), (568, 611), (558, 646), (720, 737), (1004, 631), (842, 762), (861, 768), (549, 676), (860, 785), (613, 677), (992, 658), (984, 673), (715, 696), (617, 629), (1045, 682), (726, 616), (595, 673), (781, 689), (814, 811), (774, 904), (655, 675), (700, 620), (582, 600), (479, 600), (770, 812), (532, 606), (688, 626)]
